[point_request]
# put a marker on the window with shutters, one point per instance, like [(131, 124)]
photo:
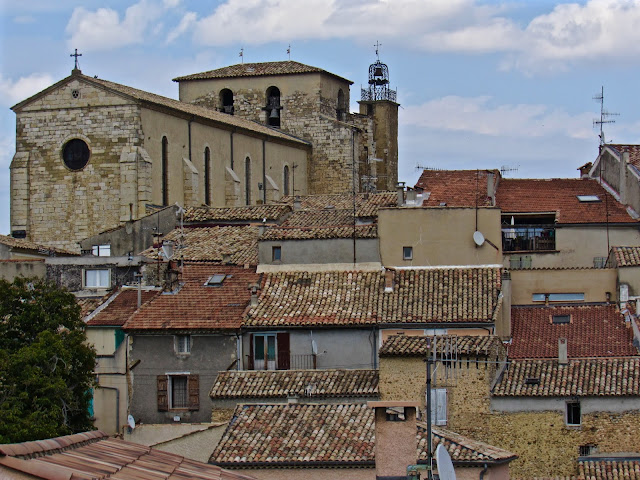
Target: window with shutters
[(269, 351), (439, 406), (178, 391)]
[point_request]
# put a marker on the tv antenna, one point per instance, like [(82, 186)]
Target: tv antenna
[(604, 115), (504, 169)]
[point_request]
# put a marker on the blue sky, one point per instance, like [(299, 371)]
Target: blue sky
[(482, 84)]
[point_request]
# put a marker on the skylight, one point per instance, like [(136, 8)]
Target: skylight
[(588, 198), (216, 280)]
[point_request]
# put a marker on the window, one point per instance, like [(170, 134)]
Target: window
[(101, 250), (76, 154), (178, 391), (215, 280), (588, 449), (269, 351), (407, 253), (273, 108), (439, 406), (276, 253), (558, 297), (573, 413), (531, 232), (588, 198), (165, 171), (340, 110), (247, 181), (285, 180), (97, 278), (518, 263), (600, 262), (226, 101), (207, 176), (182, 344), (561, 319)]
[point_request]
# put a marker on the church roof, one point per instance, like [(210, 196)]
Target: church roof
[(287, 67), (170, 103)]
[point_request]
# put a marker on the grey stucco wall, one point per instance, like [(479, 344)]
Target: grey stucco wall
[(587, 404), (69, 273), (337, 250), (156, 355), (10, 270)]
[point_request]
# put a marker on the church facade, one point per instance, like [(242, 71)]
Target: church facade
[(93, 154)]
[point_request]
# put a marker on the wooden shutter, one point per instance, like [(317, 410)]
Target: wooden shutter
[(163, 398), (283, 361), (250, 366), (193, 391)]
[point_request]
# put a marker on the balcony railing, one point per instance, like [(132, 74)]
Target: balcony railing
[(531, 238), (297, 362)]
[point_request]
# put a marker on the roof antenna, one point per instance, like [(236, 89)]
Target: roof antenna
[(604, 115)]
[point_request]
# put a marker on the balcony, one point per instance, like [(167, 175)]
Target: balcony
[(530, 238), (296, 362)]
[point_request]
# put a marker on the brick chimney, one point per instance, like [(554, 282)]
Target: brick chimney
[(396, 444), (388, 281), (400, 191)]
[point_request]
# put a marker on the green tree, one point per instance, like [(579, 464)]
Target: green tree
[(46, 366)]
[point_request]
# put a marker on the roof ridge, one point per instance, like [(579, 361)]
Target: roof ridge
[(37, 448)]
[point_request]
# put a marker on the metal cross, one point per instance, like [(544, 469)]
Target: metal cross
[(76, 54), (289, 51), (377, 45), (241, 55)]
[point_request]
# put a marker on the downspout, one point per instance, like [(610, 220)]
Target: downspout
[(485, 467), (189, 125), (117, 390), (264, 173), (231, 149), (239, 363)]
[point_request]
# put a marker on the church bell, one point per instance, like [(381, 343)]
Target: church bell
[(274, 113)]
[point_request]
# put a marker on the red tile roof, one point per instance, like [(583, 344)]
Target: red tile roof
[(587, 377), (119, 307), (253, 213), (627, 256), (196, 306), (325, 435), (89, 304), (319, 233), (432, 295), (37, 248), (93, 455), (287, 67), (634, 152), (594, 331), (612, 467), (367, 204), (560, 195), (304, 383), (456, 188), (416, 346)]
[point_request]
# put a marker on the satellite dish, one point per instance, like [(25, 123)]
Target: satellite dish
[(167, 249), (478, 237), (131, 422), (314, 347), (445, 465)]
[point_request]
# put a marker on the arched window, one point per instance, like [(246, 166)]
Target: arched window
[(207, 176), (273, 108), (285, 180), (165, 171), (340, 110), (247, 180), (226, 101)]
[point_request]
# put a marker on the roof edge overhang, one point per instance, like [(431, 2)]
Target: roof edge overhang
[(290, 464)]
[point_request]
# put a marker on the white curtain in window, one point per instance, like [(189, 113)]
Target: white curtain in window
[(97, 278)]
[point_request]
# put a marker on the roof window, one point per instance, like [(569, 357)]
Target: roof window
[(215, 280), (588, 198), (561, 319), (532, 381)]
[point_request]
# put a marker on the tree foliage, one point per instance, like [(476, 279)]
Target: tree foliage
[(46, 366)]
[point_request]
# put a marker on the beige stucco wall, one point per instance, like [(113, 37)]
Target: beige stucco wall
[(593, 282), (630, 276), (198, 445), (12, 269), (438, 235), (309, 473)]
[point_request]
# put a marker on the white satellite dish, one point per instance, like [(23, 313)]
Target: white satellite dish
[(478, 237), (445, 465), (131, 422), (167, 249)]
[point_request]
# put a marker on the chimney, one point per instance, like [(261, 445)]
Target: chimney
[(585, 169), (226, 258), (491, 187), (395, 432), (254, 295), (503, 326), (297, 204), (411, 196), (400, 190), (624, 168), (562, 351), (388, 281)]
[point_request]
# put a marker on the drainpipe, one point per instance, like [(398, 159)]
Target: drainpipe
[(231, 150), (189, 125), (117, 390), (485, 467), (264, 174)]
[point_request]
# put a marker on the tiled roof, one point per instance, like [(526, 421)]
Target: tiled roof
[(120, 306), (325, 434), (416, 346), (610, 469), (196, 306), (456, 188), (21, 243), (560, 195), (320, 233), (210, 244), (95, 455), (589, 377), (461, 449), (594, 331), (433, 295), (634, 152), (198, 111), (367, 204), (627, 256), (287, 67), (89, 304), (304, 383), (319, 218), (253, 213)]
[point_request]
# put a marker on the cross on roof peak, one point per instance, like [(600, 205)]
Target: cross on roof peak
[(378, 45), (76, 54)]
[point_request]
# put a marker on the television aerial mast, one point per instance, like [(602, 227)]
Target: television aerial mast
[(604, 115)]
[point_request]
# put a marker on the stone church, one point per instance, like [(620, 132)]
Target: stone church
[(92, 154)]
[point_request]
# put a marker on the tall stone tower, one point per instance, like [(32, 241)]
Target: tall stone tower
[(378, 102)]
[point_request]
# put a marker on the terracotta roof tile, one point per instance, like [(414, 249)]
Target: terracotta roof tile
[(254, 213), (304, 383), (287, 67), (416, 346), (456, 188), (196, 306), (318, 233), (210, 244), (593, 331), (329, 434), (433, 295), (589, 377), (610, 469), (120, 306), (627, 256), (367, 204), (94, 455), (21, 243), (89, 304), (560, 195)]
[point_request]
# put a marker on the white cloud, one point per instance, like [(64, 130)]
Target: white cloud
[(477, 115), (171, 3), (12, 92), (188, 20)]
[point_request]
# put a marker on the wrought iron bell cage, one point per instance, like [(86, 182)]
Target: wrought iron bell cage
[(378, 84)]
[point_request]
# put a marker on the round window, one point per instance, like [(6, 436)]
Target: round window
[(75, 154)]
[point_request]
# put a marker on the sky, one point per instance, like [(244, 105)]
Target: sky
[(482, 84)]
